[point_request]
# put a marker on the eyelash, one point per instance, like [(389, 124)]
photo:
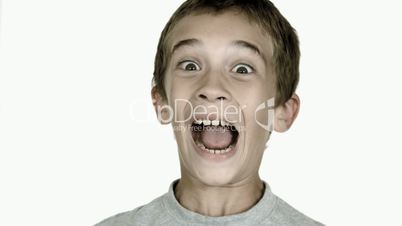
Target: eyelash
[(250, 70), (182, 66)]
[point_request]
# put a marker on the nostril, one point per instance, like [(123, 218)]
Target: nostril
[(205, 97), (202, 96)]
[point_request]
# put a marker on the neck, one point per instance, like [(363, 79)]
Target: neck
[(218, 200)]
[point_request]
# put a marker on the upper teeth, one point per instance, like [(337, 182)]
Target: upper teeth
[(211, 123)]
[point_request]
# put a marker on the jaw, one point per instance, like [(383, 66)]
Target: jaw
[(216, 170), (212, 169), (220, 170)]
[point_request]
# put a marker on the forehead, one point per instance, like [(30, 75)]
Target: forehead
[(220, 29)]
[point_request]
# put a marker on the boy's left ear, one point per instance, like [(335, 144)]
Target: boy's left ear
[(286, 114)]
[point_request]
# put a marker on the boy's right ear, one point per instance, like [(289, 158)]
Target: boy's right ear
[(162, 110)]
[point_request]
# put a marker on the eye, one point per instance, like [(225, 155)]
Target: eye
[(189, 65), (243, 69)]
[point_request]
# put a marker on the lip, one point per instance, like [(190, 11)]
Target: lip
[(205, 154), (211, 117), (215, 157)]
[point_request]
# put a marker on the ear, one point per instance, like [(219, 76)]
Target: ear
[(162, 110), (286, 114)]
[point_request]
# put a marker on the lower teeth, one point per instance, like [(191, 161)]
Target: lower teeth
[(217, 151)]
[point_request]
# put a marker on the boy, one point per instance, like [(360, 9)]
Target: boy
[(225, 77)]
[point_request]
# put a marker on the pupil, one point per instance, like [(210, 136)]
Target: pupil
[(242, 70), (191, 67)]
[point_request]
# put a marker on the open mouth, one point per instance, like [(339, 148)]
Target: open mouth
[(215, 137)]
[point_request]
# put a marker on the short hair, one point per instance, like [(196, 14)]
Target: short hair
[(286, 55)]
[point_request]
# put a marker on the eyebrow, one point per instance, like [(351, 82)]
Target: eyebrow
[(236, 43), (247, 45), (186, 42)]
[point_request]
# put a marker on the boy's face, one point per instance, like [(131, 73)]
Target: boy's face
[(220, 69)]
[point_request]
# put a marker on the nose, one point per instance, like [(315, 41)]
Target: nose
[(213, 91)]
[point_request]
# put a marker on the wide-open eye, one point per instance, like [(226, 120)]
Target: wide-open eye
[(189, 65), (243, 69)]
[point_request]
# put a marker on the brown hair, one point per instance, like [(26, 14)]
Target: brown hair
[(286, 55)]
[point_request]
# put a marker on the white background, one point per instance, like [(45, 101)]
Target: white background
[(71, 152)]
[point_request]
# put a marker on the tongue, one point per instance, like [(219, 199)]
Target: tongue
[(216, 137)]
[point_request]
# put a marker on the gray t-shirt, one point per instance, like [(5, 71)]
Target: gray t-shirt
[(167, 211)]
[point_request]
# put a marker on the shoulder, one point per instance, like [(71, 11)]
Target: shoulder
[(286, 215), (142, 215), (121, 219)]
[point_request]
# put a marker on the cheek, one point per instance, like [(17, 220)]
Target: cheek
[(255, 104), (173, 90), (254, 91), (258, 116), (180, 88), (173, 87)]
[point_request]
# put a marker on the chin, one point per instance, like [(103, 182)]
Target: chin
[(210, 150), (216, 177)]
